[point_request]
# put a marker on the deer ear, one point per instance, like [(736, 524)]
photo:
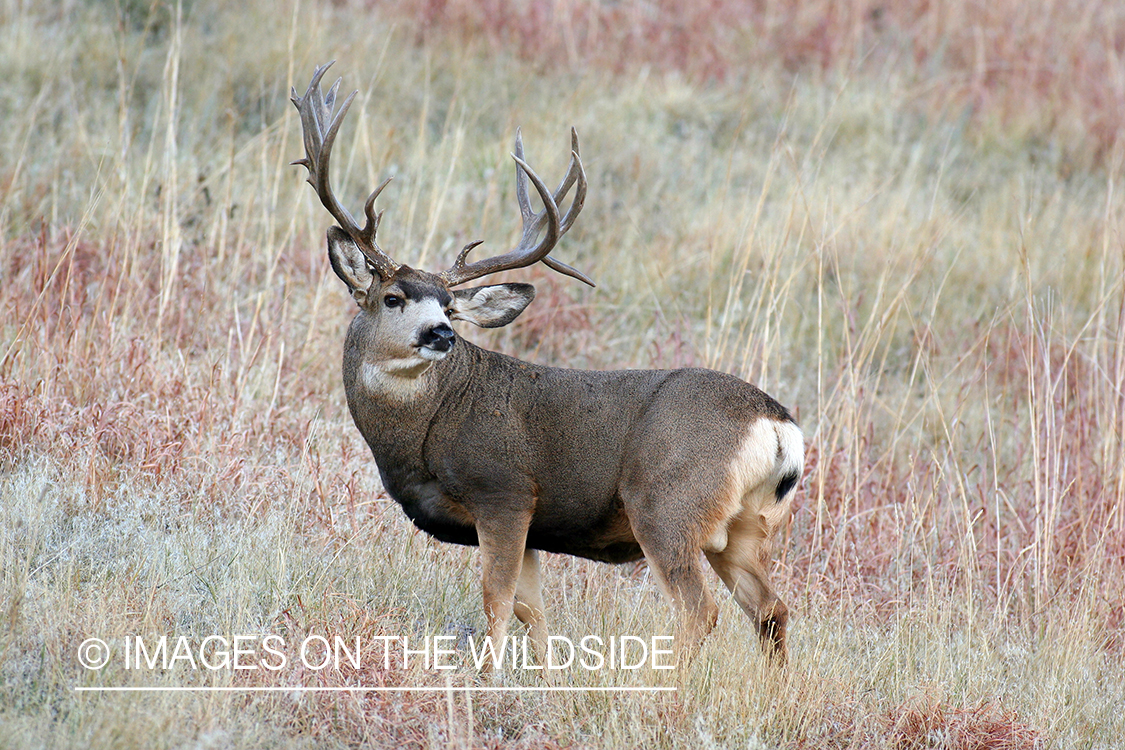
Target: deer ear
[(492, 306), (349, 263)]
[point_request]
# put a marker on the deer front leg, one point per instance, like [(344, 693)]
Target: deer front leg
[(502, 541), (529, 602)]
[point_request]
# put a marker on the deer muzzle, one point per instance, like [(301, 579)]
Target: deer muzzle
[(435, 342)]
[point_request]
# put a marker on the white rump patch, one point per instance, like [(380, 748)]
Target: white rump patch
[(770, 451), (756, 460)]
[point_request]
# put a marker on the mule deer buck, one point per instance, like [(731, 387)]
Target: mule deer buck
[(482, 449)]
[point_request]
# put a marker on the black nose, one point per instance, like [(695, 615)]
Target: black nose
[(440, 338)]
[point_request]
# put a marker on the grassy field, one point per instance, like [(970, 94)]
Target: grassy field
[(904, 221)]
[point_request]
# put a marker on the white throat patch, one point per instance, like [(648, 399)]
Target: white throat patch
[(399, 378)]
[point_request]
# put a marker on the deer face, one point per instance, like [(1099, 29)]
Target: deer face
[(412, 310)]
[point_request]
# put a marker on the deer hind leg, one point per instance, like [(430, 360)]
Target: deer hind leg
[(529, 602), (679, 573), (743, 566)]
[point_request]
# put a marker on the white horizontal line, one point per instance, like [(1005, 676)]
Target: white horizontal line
[(366, 689)]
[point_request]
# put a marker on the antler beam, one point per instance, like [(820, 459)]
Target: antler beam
[(320, 127), (528, 251)]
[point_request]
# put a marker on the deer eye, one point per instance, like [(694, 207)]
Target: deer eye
[(392, 301)]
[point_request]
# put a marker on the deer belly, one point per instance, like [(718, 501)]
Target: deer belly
[(605, 537), (437, 515)]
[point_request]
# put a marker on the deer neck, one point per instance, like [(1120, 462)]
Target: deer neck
[(397, 407), (396, 399)]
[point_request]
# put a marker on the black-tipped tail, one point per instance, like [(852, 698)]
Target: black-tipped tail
[(786, 484)]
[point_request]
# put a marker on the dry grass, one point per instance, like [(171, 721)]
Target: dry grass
[(904, 220), (1049, 71)]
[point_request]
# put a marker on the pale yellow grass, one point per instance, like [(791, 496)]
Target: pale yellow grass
[(939, 303)]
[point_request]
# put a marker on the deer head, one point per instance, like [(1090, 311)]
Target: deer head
[(413, 308)]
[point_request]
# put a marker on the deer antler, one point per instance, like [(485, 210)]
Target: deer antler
[(320, 127), (527, 251)]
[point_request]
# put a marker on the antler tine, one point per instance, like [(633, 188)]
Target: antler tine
[(574, 173), (522, 197), (525, 254), (373, 218), (316, 110)]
